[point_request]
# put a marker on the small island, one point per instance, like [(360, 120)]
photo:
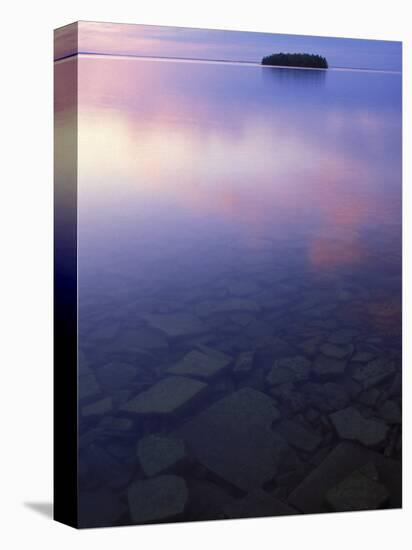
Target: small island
[(306, 60)]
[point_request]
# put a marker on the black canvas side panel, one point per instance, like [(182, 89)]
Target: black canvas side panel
[(65, 289)]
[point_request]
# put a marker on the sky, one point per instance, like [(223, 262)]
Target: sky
[(217, 45)]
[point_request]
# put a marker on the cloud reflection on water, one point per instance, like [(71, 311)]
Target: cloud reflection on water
[(261, 150)]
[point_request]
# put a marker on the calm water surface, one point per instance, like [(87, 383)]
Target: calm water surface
[(239, 275)]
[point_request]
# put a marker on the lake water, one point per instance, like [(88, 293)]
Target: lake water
[(239, 279)]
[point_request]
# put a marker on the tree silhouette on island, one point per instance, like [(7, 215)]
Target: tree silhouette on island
[(296, 60)]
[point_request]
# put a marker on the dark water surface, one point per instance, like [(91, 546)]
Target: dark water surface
[(239, 279)]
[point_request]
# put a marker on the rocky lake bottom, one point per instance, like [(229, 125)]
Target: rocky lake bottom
[(256, 388)]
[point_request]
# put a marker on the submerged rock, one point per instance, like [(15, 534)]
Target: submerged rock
[(233, 438), (374, 372), (337, 352), (289, 370), (176, 324), (157, 499), (199, 364), (166, 396), (362, 357), (350, 424), (345, 458), (298, 436), (158, 453), (364, 353), (295, 400), (276, 348), (357, 492)]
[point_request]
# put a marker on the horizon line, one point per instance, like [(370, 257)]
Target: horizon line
[(228, 61)]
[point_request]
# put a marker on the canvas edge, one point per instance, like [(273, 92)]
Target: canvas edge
[(65, 430)]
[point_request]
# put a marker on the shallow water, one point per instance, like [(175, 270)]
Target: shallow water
[(239, 279)]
